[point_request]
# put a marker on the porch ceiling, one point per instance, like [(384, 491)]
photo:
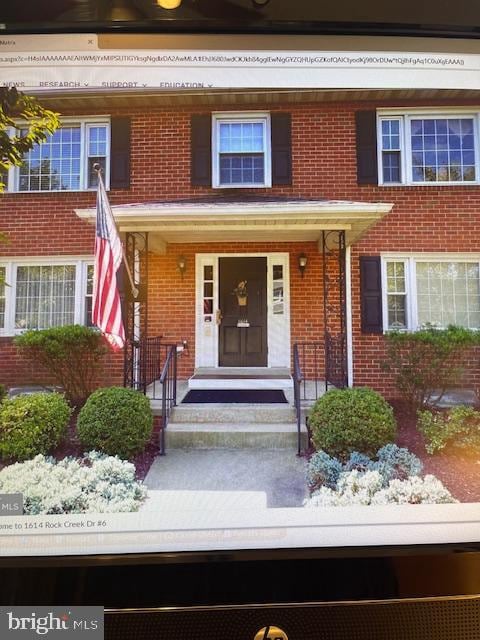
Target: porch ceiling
[(247, 221)]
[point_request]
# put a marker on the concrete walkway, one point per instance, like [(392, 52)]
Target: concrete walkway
[(276, 473)]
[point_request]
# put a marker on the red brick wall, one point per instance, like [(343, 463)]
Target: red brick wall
[(324, 166), (16, 369), (171, 311)]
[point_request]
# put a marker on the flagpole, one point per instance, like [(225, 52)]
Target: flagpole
[(135, 291)]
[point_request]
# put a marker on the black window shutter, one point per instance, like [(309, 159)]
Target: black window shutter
[(281, 124), (120, 153), (371, 294), (366, 135), (201, 150)]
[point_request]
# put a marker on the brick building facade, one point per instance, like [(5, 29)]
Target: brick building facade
[(254, 174)]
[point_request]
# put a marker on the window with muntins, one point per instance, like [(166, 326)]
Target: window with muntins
[(428, 149), (241, 151), (437, 292), (64, 162), (44, 294)]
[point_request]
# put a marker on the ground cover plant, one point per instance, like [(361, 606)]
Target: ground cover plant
[(367, 488), (94, 483), (392, 476), (391, 461)]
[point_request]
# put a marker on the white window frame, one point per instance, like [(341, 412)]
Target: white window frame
[(405, 116), (234, 117), (85, 124), (410, 261), (80, 262)]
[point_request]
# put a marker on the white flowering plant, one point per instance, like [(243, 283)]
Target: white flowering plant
[(95, 483), (367, 488)]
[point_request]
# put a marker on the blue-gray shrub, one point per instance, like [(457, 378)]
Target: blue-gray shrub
[(391, 461)]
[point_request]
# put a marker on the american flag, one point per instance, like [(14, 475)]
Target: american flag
[(107, 310)]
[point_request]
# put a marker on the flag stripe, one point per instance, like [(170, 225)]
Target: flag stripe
[(106, 308)]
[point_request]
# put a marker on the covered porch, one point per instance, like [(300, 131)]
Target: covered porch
[(187, 330)]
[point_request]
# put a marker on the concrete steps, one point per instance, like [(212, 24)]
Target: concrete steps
[(233, 413), (216, 435), (231, 426)]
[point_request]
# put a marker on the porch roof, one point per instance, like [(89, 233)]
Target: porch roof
[(247, 220)]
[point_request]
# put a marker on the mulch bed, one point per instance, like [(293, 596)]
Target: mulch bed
[(459, 472)]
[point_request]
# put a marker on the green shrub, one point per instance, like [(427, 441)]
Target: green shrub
[(72, 355), (32, 424), (116, 421), (347, 420), (459, 427), (3, 392), (426, 363)]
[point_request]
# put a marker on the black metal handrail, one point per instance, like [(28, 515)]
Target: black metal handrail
[(168, 383), (297, 381), (311, 357)]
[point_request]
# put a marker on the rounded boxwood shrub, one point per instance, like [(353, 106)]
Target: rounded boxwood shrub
[(32, 424), (347, 420), (116, 421)]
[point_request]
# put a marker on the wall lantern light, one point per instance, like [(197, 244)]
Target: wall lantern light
[(182, 265), (302, 263)]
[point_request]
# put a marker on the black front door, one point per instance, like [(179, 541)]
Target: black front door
[(243, 328)]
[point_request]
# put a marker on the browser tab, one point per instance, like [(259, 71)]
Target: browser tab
[(51, 42)]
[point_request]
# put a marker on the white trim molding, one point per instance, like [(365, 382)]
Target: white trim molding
[(404, 118), (81, 264), (247, 117), (206, 327), (85, 123), (410, 262)]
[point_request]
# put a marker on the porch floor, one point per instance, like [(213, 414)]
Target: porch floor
[(241, 378), (310, 389)]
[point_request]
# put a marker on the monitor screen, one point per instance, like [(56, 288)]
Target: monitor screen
[(239, 293)]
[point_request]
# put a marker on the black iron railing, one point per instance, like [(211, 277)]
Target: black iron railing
[(316, 366), (151, 367), (168, 383), (311, 358), (297, 381)]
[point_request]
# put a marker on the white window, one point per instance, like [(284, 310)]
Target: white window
[(421, 291), (64, 162), (241, 150), (433, 148), (278, 290), (44, 293)]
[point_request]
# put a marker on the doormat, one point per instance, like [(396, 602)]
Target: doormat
[(246, 396)]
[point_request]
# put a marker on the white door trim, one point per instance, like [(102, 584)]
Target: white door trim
[(278, 325)]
